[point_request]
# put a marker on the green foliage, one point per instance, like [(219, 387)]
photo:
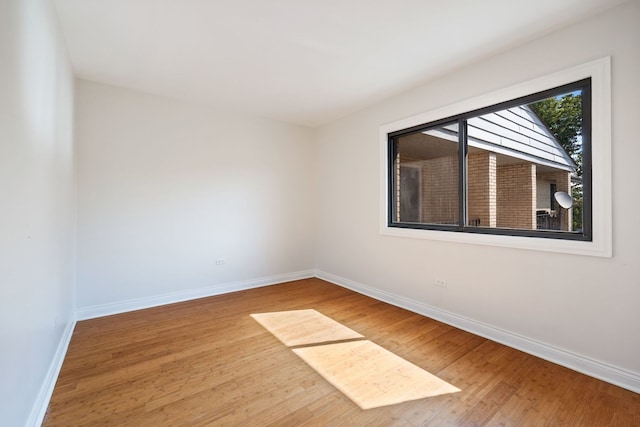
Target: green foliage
[(576, 193), (563, 117)]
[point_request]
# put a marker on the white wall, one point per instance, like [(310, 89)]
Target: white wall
[(167, 187), (37, 201), (585, 305)]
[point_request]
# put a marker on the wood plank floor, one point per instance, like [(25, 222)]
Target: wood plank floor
[(207, 362)]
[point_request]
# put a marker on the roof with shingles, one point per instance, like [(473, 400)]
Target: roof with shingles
[(515, 132)]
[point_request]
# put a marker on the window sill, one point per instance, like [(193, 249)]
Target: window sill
[(592, 248)]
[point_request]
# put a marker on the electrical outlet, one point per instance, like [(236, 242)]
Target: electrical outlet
[(441, 282), (220, 261)]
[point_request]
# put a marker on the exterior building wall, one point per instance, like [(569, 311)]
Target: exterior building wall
[(543, 191), (440, 190), (563, 183), (482, 194), (516, 196), (506, 196), (562, 180)]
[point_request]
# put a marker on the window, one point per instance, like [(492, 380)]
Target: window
[(526, 167), (498, 169)]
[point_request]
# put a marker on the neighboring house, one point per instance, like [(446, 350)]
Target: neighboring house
[(514, 167)]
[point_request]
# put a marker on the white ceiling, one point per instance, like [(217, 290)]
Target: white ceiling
[(301, 61)]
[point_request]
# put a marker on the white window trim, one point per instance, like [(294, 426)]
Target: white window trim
[(600, 73)]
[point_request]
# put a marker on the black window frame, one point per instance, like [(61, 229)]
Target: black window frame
[(586, 234)]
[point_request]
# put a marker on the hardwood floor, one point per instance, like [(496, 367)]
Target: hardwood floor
[(207, 362)]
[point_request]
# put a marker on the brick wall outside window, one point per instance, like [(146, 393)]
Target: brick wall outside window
[(516, 196), (482, 196)]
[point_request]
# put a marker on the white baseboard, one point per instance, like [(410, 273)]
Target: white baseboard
[(602, 371), (39, 409), (85, 313)]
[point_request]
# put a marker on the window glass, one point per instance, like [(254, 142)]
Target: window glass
[(427, 185), (515, 168)]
